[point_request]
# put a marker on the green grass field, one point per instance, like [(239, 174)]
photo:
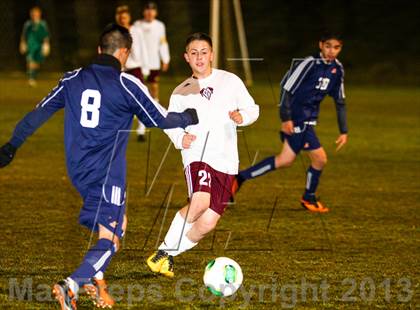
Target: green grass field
[(365, 253)]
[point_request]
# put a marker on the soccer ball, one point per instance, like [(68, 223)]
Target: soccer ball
[(223, 276)]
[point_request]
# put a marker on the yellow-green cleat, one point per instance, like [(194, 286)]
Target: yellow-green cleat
[(161, 262)]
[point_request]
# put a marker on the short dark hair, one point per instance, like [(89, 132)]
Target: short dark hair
[(114, 37), (328, 35), (198, 36), (122, 9), (150, 5)]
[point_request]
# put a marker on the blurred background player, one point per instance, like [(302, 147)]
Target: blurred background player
[(100, 102), (34, 43), (209, 150), (303, 88), (153, 56), (136, 62)]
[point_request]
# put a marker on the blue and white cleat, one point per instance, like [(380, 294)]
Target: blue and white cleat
[(64, 295)]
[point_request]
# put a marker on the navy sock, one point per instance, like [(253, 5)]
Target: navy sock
[(96, 260), (312, 181), (263, 167)]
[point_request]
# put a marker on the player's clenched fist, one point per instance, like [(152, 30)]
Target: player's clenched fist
[(187, 140), (236, 117), (7, 152)]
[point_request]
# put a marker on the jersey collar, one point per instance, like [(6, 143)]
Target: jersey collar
[(324, 60), (107, 60)]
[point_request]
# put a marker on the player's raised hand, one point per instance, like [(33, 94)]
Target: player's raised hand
[(187, 140), (342, 139), (287, 127), (236, 117), (7, 153)]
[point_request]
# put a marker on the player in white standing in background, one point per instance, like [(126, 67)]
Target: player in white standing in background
[(136, 62), (209, 150), (154, 52)]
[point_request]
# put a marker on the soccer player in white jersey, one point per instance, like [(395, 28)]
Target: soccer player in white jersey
[(136, 62), (153, 55), (209, 150)]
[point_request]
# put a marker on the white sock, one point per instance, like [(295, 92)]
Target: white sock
[(186, 244), (179, 226), (73, 285), (99, 275)]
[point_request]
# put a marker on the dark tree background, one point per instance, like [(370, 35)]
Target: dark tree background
[(382, 38)]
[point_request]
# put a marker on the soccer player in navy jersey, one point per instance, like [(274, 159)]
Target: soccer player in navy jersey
[(99, 102), (303, 88)]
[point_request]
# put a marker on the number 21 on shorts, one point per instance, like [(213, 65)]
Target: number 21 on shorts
[(205, 178), (90, 102)]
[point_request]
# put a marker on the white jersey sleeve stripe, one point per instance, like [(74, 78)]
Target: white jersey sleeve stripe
[(137, 101), (51, 97), (297, 73)]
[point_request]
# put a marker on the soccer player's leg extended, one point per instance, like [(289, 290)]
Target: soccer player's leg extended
[(176, 240), (318, 161), (90, 273), (205, 224), (283, 160)]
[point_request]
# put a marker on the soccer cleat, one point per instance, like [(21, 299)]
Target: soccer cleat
[(161, 262), (97, 291), (65, 296), (313, 205), (156, 260), (167, 268)]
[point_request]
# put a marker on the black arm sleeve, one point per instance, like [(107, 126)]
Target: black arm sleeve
[(340, 106), (285, 106), (184, 119)]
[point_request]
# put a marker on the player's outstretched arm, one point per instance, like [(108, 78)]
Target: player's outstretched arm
[(182, 119), (31, 122), (150, 112), (179, 137)]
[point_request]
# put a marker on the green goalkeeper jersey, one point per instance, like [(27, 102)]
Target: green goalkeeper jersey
[(34, 35)]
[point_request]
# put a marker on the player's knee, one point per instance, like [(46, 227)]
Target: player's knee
[(323, 160), (320, 161), (197, 208), (207, 226)]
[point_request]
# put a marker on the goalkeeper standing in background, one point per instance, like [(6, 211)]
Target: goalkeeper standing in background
[(34, 43)]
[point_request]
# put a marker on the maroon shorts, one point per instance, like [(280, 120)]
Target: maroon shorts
[(201, 177), (153, 77)]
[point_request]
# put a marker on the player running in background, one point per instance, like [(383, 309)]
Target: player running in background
[(303, 88), (152, 56), (100, 102), (34, 43), (209, 150)]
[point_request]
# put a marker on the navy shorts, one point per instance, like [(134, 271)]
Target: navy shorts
[(105, 205), (305, 139)]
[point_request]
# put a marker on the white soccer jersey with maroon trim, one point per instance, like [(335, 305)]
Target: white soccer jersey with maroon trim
[(155, 47), (213, 97)]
